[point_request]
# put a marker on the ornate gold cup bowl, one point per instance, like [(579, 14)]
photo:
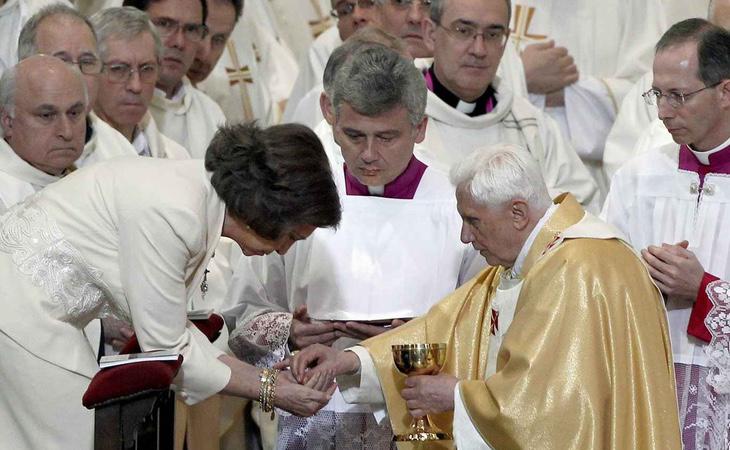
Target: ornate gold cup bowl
[(420, 359)]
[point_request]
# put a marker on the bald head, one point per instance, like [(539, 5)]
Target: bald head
[(719, 13), (42, 111)]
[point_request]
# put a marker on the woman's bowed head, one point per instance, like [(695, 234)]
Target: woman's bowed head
[(276, 183)]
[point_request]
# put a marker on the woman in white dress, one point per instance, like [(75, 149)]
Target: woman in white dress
[(131, 238)]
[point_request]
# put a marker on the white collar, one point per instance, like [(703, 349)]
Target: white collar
[(704, 157), (140, 143), (176, 97), (517, 266), (376, 190), (465, 107)]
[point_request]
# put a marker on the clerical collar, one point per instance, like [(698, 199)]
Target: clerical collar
[(483, 105), (519, 262), (403, 187), (704, 157)]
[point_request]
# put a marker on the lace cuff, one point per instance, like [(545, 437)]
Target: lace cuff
[(718, 322), (262, 341)]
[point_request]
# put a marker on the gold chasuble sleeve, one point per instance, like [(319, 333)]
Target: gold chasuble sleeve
[(462, 320), (586, 363)]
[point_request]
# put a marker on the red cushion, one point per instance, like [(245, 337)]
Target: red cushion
[(128, 380), (210, 327)]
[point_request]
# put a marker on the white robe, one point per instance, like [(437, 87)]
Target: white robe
[(13, 15), (129, 237), (612, 45), (18, 179), (364, 386), (105, 143), (191, 120), (451, 135), (240, 86), (633, 119), (297, 20), (311, 69)]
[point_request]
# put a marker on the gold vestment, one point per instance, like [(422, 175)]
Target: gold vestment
[(585, 363)]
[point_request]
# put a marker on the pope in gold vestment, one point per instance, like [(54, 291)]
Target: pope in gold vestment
[(585, 363)]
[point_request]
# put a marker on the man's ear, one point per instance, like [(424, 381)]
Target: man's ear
[(428, 28), (520, 213), (6, 121), (725, 94), (421, 130), (326, 106)]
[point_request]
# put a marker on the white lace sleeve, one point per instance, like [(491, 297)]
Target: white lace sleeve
[(262, 341), (718, 322)]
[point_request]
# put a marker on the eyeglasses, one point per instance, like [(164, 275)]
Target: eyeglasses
[(88, 65), (344, 9), (493, 35), (121, 72), (406, 4), (193, 32), (675, 99)]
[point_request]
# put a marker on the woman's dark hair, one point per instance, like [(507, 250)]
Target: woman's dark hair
[(273, 179)]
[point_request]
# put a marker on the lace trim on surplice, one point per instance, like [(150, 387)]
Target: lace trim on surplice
[(39, 250), (262, 341)]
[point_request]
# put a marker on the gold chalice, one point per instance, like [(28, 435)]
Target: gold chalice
[(421, 359)]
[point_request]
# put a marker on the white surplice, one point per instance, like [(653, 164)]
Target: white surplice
[(18, 179), (13, 15), (299, 21), (130, 237), (653, 201), (190, 118), (364, 386), (612, 46), (451, 135)]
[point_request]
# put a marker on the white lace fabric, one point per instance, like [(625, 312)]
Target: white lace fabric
[(262, 341), (39, 250), (718, 323)]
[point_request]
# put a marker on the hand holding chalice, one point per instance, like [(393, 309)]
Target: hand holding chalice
[(420, 359)]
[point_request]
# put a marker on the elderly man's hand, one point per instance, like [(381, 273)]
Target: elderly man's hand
[(364, 330), (323, 361), (676, 270), (302, 400), (548, 68), (306, 331), (429, 394)]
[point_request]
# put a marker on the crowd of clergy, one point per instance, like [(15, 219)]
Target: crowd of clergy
[(539, 184)]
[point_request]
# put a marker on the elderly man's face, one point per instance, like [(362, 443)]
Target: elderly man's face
[(48, 126), (490, 230), (71, 40), (221, 21), (377, 149), (403, 18), (172, 18), (698, 121), (364, 13), (467, 66), (122, 103)]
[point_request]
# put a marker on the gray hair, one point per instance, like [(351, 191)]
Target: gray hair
[(437, 10), (377, 79), (27, 40), (125, 23), (7, 94), (334, 3), (713, 47), (363, 38), (8, 89), (499, 173)]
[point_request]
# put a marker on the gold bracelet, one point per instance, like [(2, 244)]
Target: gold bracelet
[(267, 389), (272, 392), (264, 379)]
